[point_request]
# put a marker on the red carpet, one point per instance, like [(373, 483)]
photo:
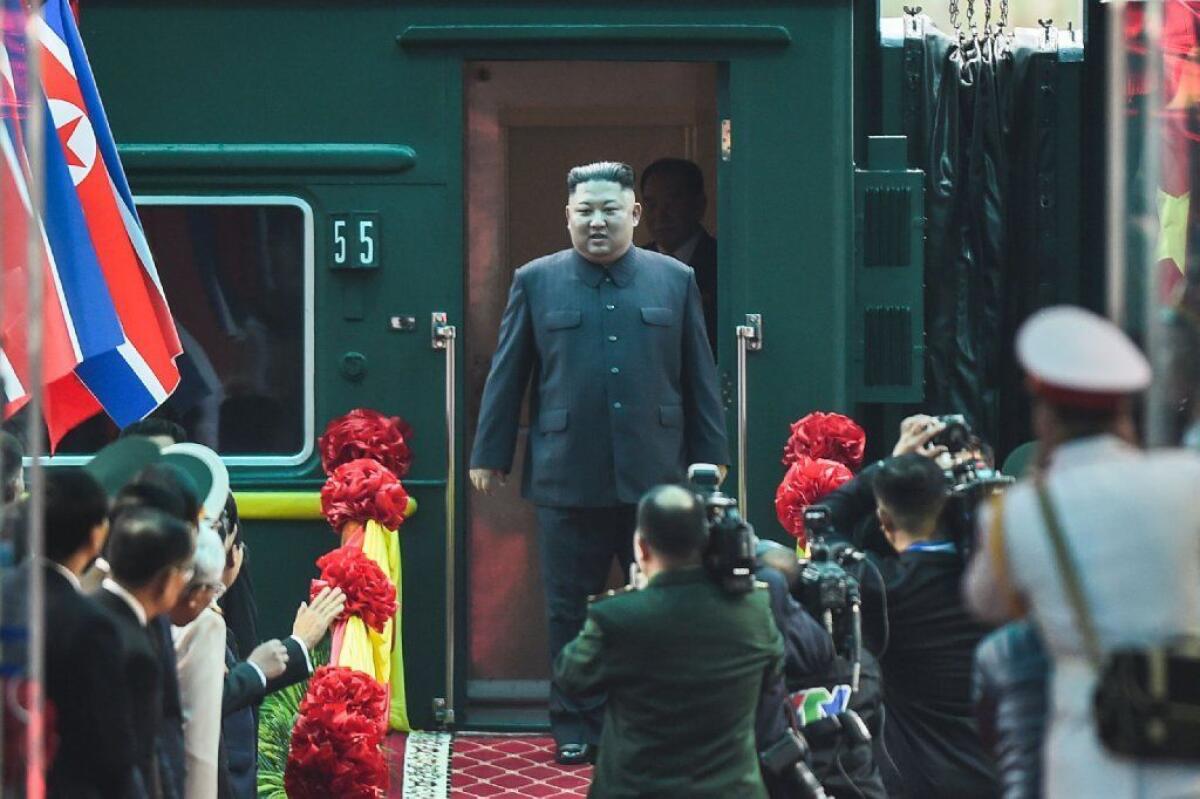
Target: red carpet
[(513, 767)]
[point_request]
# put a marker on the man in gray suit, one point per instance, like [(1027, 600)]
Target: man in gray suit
[(624, 397)]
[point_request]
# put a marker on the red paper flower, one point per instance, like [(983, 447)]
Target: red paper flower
[(335, 748), (364, 433), (335, 756), (826, 435), (361, 491), (806, 482), (370, 595)]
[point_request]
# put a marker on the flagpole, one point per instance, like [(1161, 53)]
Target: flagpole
[(35, 145)]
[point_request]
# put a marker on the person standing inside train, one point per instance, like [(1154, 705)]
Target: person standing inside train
[(674, 200), (624, 397)]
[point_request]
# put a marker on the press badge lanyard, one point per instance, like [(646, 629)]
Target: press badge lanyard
[(933, 546)]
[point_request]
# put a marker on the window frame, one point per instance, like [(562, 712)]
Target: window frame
[(309, 311)]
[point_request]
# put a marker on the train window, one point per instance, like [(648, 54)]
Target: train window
[(238, 274)]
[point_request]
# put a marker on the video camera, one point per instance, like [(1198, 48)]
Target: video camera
[(830, 593), (729, 556), (970, 477)]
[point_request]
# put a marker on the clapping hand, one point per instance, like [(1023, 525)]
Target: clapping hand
[(270, 656), (313, 620)]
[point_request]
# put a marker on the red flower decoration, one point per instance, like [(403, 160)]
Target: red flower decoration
[(335, 748), (370, 595), (806, 482), (361, 491), (364, 433), (348, 691), (826, 435)]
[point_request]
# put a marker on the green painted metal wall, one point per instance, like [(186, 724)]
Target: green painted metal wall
[(307, 73)]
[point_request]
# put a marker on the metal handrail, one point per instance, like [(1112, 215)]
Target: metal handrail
[(749, 338), (443, 336)]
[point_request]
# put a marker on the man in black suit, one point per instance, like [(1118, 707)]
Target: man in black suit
[(674, 201), (149, 555), (624, 397), (97, 752)]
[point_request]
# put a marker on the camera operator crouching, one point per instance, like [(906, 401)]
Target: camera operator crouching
[(910, 515)]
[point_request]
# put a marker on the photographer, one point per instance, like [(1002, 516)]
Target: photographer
[(683, 662), (914, 619)]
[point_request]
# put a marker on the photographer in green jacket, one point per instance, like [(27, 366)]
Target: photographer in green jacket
[(683, 664)]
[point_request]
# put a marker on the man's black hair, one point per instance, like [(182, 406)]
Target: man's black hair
[(672, 521), (11, 454), (169, 479), (912, 488), (687, 171), (75, 504), (613, 171), (143, 542), (156, 426)]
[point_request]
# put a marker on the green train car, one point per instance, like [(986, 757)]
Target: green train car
[(337, 195)]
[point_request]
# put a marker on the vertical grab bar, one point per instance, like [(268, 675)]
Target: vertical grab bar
[(443, 336), (749, 338)]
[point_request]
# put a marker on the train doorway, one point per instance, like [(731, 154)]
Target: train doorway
[(527, 123)]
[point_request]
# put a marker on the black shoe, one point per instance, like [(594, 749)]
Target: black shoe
[(575, 754)]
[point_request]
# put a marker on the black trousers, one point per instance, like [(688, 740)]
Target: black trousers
[(577, 547)]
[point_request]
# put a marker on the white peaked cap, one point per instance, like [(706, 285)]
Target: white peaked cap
[(1075, 357)]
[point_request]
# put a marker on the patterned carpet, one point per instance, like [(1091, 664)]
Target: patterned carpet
[(431, 765), (513, 767)]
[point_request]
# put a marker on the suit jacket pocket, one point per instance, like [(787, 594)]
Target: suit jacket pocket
[(552, 420), (561, 320), (670, 415), (660, 317)]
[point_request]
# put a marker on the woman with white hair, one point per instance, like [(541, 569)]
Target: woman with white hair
[(199, 635)]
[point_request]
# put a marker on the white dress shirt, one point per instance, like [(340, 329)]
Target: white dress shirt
[(200, 661)]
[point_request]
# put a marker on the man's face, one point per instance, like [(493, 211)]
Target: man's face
[(601, 216), (672, 214)]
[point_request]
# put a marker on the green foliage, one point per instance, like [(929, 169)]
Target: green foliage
[(276, 717)]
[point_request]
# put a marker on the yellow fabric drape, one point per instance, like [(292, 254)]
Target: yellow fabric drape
[(383, 547)]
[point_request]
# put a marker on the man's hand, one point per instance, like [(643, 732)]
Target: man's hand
[(270, 656), (486, 480), (916, 433), (313, 620)]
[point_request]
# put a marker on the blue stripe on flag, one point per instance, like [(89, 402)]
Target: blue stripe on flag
[(92, 311), (119, 389)]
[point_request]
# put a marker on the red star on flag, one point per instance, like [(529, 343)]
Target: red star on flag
[(64, 134)]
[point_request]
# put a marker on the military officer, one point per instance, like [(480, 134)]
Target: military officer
[(683, 664), (1130, 525), (624, 397)]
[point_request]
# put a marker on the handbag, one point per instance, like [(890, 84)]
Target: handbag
[(1147, 699)]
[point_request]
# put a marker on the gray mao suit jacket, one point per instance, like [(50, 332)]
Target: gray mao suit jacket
[(625, 391)]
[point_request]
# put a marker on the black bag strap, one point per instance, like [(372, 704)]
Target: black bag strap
[(1070, 577)]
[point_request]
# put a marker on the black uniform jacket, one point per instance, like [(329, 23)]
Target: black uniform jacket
[(624, 388)]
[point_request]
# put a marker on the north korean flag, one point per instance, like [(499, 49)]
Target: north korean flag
[(93, 229)]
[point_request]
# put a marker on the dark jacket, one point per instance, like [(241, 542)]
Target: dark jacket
[(237, 758), (141, 665), (704, 262), (98, 753), (683, 664), (1011, 677), (625, 391), (172, 761), (925, 644)]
